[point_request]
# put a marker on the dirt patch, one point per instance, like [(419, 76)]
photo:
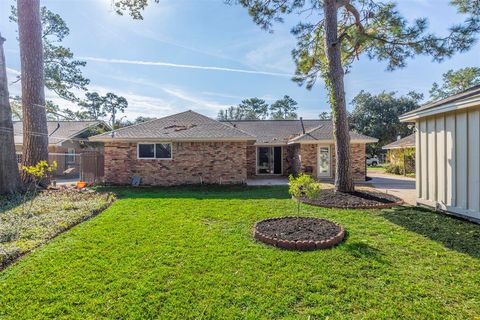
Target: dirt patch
[(362, 198), (299, 233)]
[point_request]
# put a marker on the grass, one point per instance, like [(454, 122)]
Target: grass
[(376, 168), (188, 253), (26, 223), (381, 169)]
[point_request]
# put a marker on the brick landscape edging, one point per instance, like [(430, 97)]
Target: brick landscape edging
[(372, 206), (302, 245)]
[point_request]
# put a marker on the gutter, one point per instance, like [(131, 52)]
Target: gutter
[(448, 107)]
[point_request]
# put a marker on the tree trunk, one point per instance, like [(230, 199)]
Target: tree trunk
[(35, 134), (9, 175), (335, 84)]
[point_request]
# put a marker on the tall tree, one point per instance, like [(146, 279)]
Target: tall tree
[(63, 72), (328, 46), (35, 134), (9, 174), (114, 104), (341, 31), (325, 115), (284, 108), (455, 82), (377, 116), (254, 109), (93, 105), (232, 113)]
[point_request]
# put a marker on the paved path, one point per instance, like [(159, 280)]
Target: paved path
[(399, 186), (270, 181)]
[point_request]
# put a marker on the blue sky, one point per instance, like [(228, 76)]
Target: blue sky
[(204, 55)]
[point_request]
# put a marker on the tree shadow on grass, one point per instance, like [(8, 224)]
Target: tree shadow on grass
[(202, 192), (364, 251), (452, 232), (10, 202)]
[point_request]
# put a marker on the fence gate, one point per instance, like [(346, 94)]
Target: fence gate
[(91, 167)]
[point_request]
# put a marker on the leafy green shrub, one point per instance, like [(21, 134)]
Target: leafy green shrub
[(394, 168), (304, 186)]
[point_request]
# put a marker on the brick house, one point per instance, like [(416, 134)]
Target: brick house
[(66, 141), (189, 148)]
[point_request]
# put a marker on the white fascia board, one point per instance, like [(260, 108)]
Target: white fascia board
[(453, 106), (110, 139)]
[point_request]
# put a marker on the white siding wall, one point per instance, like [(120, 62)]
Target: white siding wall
[(448, 162)]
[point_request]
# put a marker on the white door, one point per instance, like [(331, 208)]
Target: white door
[(324, 161)]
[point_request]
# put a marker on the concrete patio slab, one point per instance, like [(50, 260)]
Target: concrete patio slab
[(400, 186), (270, 181)]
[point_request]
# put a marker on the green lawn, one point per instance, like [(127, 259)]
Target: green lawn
[(188, 253)]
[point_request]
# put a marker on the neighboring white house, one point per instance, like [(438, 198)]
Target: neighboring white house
[(448, 153)]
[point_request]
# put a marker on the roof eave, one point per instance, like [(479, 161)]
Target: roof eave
[(443, 108), (144, 139), (318, 141), (398, 147)]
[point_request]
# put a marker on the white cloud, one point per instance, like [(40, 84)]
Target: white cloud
[(185, 66), (13, 71), (274, 55), (195, 100)]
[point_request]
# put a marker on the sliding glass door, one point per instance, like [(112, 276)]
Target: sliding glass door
[(269, 160)]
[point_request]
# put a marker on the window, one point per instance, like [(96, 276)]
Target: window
[(70, 156), (163, 151), (154, 151), (146, 151)]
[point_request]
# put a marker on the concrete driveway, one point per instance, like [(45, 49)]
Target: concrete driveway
[(399, 186)]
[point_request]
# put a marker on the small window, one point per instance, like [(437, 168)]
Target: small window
[(163, 151), (70, 156), (155, 151), (146, 151)]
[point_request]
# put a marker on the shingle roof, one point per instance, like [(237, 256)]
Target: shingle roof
[(187, 125), (275, 131), (406, 142), (58, 131), (456, 97), (325, 132), (190, 125)]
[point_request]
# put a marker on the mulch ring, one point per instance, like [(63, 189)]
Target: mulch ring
[(299, 233), (362, 198)]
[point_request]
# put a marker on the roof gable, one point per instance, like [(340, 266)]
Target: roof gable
[(324, 132), (188, 125), (405, 142), (58, 131), (275, 131)]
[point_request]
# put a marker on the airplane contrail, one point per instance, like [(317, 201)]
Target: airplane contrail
[(185, 66)]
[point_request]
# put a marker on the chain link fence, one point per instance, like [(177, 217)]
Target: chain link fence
[(71, 167)]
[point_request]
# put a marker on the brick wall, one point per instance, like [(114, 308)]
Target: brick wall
[(357, 152), (251, 160), (193, 162), (306, 156)]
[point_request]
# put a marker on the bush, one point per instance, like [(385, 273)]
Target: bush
[(394, 168), (304, 186)]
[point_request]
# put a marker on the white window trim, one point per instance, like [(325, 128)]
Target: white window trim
[(70, 155), (154, 151), (329, 173)]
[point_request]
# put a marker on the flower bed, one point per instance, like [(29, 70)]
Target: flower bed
[(27, 223), (362, 198), (299, 233)]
